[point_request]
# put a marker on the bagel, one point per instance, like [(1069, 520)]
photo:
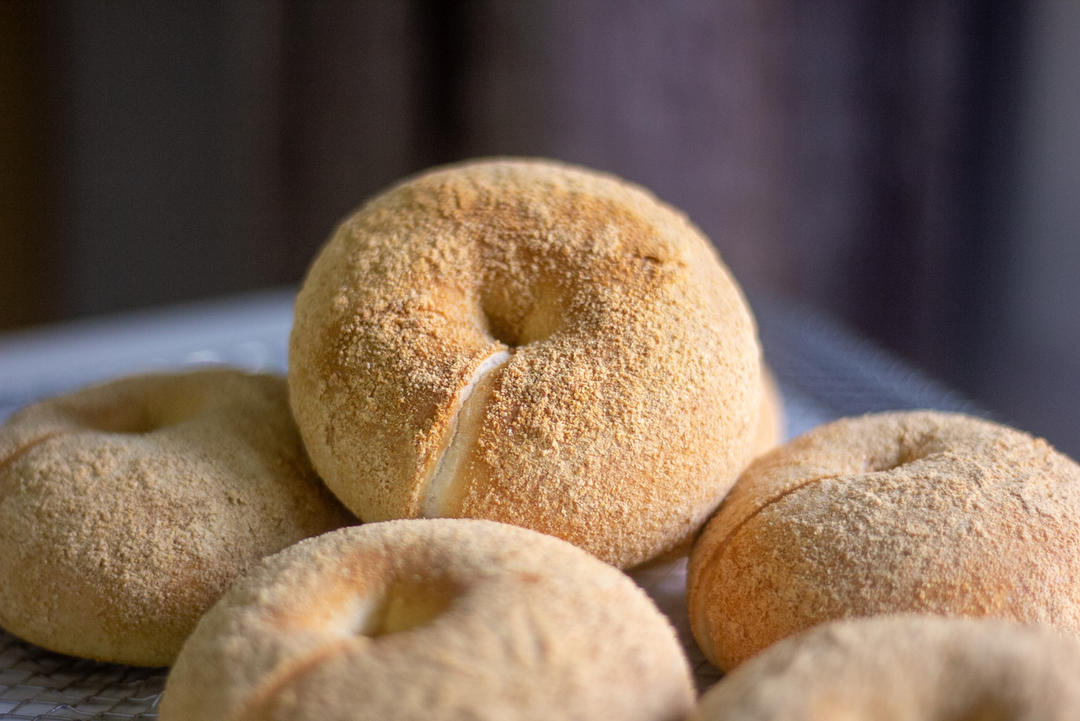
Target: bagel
[(905, 668), (431, 619), (530, 343), (127, 508), (919, 512)]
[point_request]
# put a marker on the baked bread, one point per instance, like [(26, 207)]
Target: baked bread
[(531, 343), (426, 620), (919, 512), (127, 508), (903, 668)]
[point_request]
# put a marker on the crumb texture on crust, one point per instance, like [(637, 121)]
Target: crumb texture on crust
[(127, 508), (626, 407), (919, 512), (433, 618), (900, 668)]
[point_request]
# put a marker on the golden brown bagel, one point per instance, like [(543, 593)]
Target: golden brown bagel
[(905, 668), (531, 343), (427, 620), (127, 508), (899, 512)]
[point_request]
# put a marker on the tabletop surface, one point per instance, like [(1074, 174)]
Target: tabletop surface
[(824, 372)]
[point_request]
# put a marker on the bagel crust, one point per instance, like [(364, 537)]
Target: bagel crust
[(127, 508), (902, 668), (919, 512), (530, 343), (431, 619)]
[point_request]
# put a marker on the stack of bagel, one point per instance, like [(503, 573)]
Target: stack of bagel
[(508, 380)]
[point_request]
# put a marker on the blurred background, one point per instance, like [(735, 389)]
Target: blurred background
[(909, 168)]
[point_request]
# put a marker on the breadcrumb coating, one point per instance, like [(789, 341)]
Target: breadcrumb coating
[(626, 406), (920, 512), (127, 508), (431, 619)]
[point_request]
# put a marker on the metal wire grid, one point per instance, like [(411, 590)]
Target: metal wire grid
[(830, 372), (824, 372), (37, 685)]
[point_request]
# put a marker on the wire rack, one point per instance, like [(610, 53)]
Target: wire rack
[(824, 372), (37, 684)]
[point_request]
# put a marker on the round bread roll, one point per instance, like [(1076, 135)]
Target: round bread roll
[(905, 668), (431, 619), (530, 343), (900, 512), (127, 508)]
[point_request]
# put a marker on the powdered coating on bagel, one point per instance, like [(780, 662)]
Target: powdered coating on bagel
[(900, 668), (900, 512), (431, 619), (768, 433), (527, 342), (127, 508)]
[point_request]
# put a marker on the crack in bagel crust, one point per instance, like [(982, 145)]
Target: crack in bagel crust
[(907, 453), (260, 703), (723, 543), (442, 482), (772, 500), (701, 582)]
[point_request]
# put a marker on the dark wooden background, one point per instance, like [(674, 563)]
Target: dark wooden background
[(889, 163)]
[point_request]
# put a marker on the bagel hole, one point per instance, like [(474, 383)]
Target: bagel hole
[(986, 711), (904, 454), (501, 330), (519, 321), (143, 418), (406, 605)]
